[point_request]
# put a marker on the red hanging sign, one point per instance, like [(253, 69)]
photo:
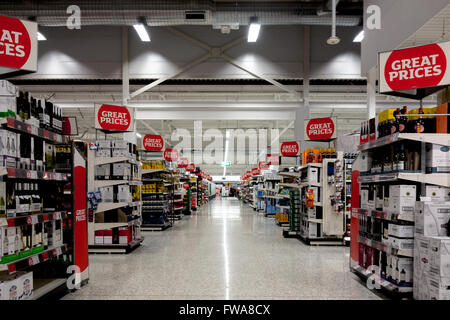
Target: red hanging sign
[(190, 167), (320, 129), (114, 118), (18, 39), (262, 165), (152, 142), (290, 149), (171, 154), (416, 67), (255, 172), (183, 163), (186, 185), (273, 159)]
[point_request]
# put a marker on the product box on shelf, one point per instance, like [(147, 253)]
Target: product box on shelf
[(8, 148), (316, 193), (103, 172), (121, 153), (56, 238), (123, 193), (431, 218), (402, 199), (437, 193), (98, 236), (443, 122), (401, 231), (9, 287), (120, 144), (104, 144), (364, 194), (439, 257), (402, 269), (25, 284), (103, 153), (107, 194), (379, 199), (121, 171), (437, 158), (124, 235), (107, 237), (314, 230), (401, 243), (311, 213), (8, 102), (313, 174), (421, 254)]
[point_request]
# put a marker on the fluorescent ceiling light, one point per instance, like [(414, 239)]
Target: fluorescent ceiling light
[(41, 37), (359, 37), (253, 32), (138, 135), (142, 32)]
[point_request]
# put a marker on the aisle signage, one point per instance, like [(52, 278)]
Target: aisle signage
[(290, 149), (18, 44), (183, 163), (152, 142), (320, 129), (255, 172), (114, 118), (415, 67), (186, 185), (273, 159), (171, 154), (190, 167)]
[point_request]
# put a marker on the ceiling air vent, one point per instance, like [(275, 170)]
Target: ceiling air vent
[(198, 15)]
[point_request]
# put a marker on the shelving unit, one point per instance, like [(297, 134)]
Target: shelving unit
[(122, 219), (42, 241)]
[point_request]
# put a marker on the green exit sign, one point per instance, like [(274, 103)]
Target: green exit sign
[(226, 164)]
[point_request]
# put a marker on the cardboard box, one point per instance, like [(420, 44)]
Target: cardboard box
[(120, 144), (124, 235), (25, 284), (438, 288), (437, 193), (402, 199), (431, 218), (402, 269), (364, 194), (313, 174), (311, 212), (124, 194), (401, 231), (103, 172), (443, 122), (314, 230), (439, 257), (421, 254), (121, 153), (401, 243), (379, 197), (107, 194), (8, 106), (122, 171), (437, 158), (7, 89), (103, 153), (98, 236), (8, 287), (107, 237), (316, 193), (104, 144)]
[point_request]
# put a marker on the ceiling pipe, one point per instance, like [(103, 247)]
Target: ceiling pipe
[(333, 40)]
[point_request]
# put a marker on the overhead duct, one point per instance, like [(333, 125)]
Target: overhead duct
[(333, 39), (174, 12)]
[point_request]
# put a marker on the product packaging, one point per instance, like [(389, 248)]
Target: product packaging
[(402, 199), (431, 218), (437, 158)]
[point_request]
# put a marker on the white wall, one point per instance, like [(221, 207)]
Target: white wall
[(95, 53)]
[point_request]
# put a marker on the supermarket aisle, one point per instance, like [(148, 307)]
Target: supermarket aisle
[(225, 251)]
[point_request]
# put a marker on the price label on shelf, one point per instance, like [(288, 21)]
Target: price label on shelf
[(59, 251), (33, 260), (57, 216), (55, 253), (29, 220), (34, 219), (45, 217), (11, 267), (34, 175), (29, 129), (44, 256), (28, 174), (46, 134)]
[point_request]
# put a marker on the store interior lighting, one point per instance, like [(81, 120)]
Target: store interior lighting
[(253, 30), (226, 153), (41, 37), (359, 37), (138, 135), (142, 32)]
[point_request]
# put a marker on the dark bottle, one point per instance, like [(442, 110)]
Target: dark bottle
[(395, 127), (401, 158), (33, 108), (19, 102), (26, 106), (403, 120), (388, 127), (387, 165), (419, 126), (40, 112), (47, 115)]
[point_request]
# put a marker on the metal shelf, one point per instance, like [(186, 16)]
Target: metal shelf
[(14, 173), (440, 179), (32, 219), (435, 138), (289, 174), (17, 125), (105, 206), (386, 285), (107, 183), (384, 215), (44, 286), (107, 160), (386, 248)]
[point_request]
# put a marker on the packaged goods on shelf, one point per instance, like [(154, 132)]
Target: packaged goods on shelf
[(8, 93), (107, 194), (402, 199), (18, 286), (439, 254), (401, 231), (443, 122), (121, 171), (103, 153), (437, 158), (107, 237), (431, 218), (103, 172), (437, 193), (103, 144), (124, 194)]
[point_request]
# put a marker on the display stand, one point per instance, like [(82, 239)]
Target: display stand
[(115, 217)]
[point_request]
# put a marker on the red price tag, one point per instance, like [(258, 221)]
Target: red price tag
[(11, 172), (45, 256), (11, 223), (28, 174), (12, 267), (55, 253), (45, 217), (29, 220), (29, 129), (30, 262), (46, 134), (11, 122)]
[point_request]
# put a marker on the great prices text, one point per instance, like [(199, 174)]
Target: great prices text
[(115, 118), (10, 43), (320, 129), (415, 68)]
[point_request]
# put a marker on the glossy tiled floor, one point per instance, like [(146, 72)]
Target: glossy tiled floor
[(225, 251)]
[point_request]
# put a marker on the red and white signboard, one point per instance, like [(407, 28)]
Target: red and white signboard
[(171, 154), (18, 45), (320, 129), (114, 118), (183, 163), (255, 172), (190, 167), (290, 149), (262, 165), (186, 185), (152, 142), (273, 159), (415, 67)]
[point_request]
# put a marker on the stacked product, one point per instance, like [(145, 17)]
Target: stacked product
[(295, 210), (432, 246)]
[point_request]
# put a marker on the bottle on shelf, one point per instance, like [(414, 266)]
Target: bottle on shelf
[(26, 106), (403, 120), (419, 126), (396, 124), (401, 158)]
